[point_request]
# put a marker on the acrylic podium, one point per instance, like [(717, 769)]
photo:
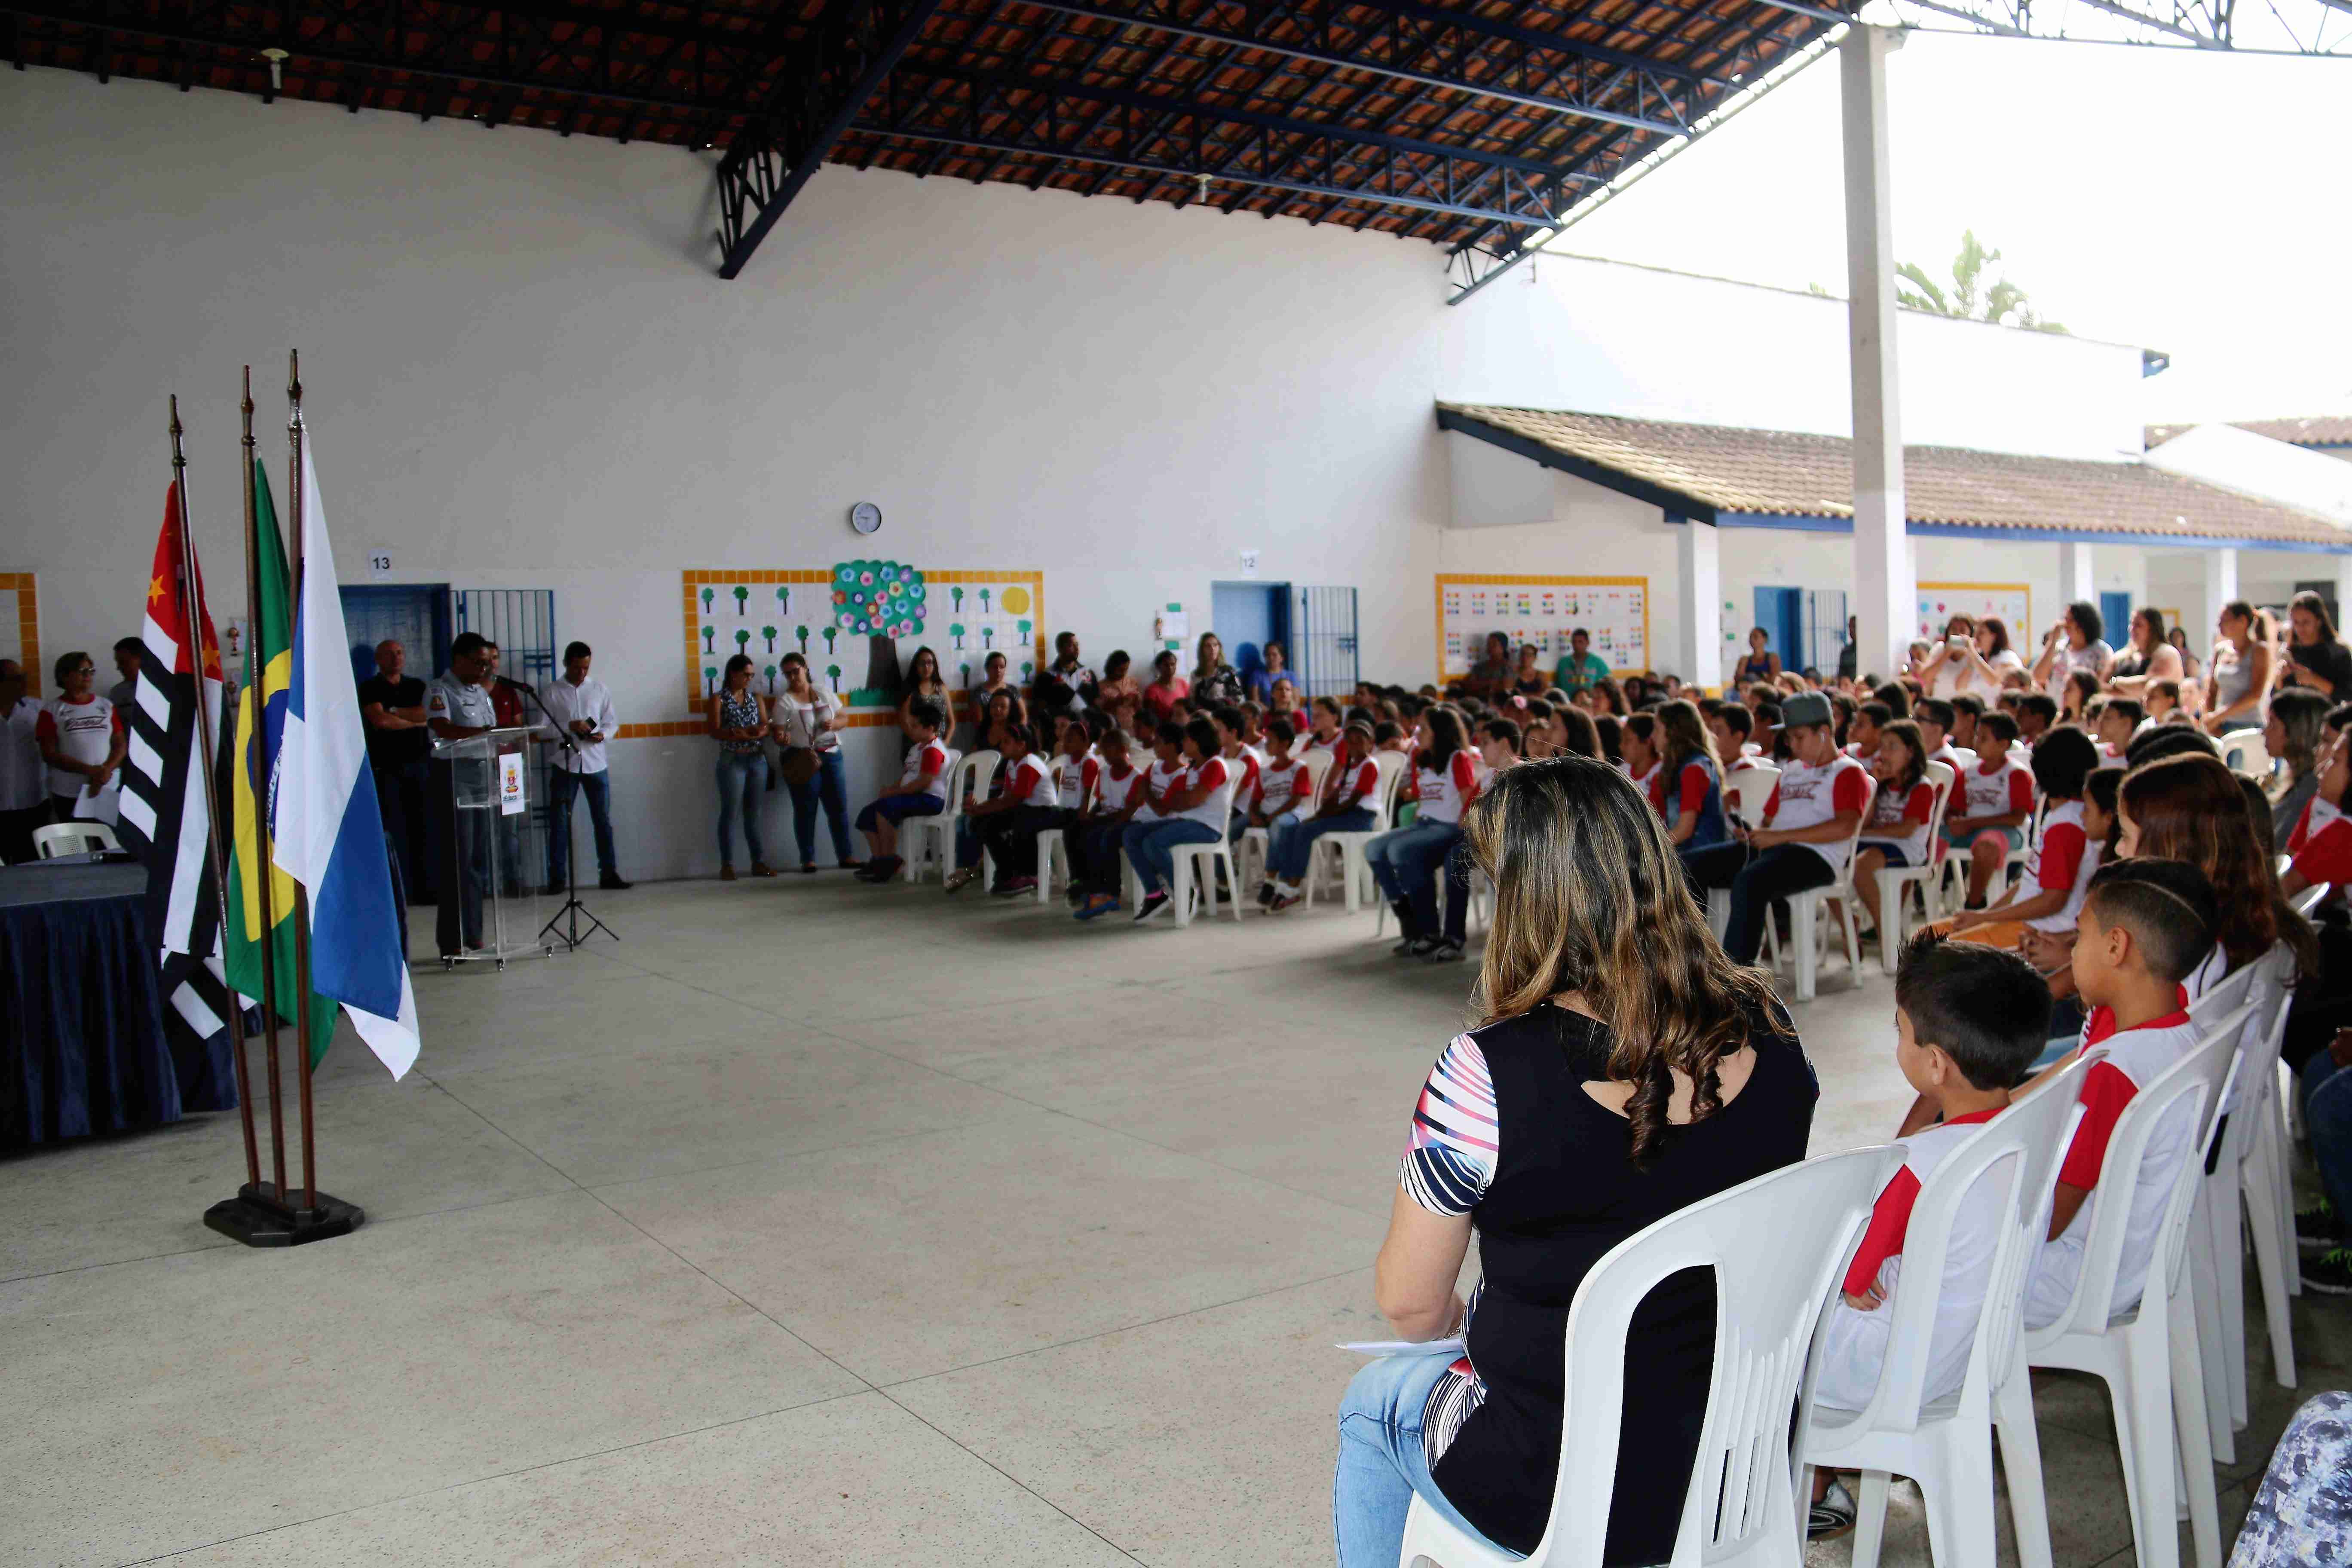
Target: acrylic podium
[(499, 848)]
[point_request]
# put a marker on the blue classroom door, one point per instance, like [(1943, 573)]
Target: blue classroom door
[(1246, 616), (2116, 610), (1781, 613)]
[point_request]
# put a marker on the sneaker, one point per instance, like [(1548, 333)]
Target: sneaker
[(1444, 952), (1016, 887), (1832, 1516), (762, 868), (2330, 1274), (1420, 947), (959, 877), (1280, 902), (1411, 947), (2319, 1229), (1153, 903), (1265, 894), (1099, 904)]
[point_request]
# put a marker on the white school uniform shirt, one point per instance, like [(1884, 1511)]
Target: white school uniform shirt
[(1446, 795), (2063, 856), (82, 730), (1280, 787), (1113, 792), (1035, 781), (1999, 792), (937, 760), (1073, 777), (1212, 773), (1956, 758), (2135, 1058), (1901, 820), (1806, 796), (1162, 775), (1246, 763), (24, 776), (1854, 1345), (592, 700)]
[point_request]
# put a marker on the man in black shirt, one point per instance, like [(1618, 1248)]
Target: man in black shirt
[(391, 703)]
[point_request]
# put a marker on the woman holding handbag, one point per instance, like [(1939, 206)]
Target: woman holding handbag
[(803, 716)]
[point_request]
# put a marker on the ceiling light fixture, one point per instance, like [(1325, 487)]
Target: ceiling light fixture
[(276, 58)]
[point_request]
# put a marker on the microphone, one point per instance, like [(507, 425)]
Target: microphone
[(511, 684)]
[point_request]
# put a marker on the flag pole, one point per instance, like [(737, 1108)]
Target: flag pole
[(258, 690), (301, 893), (191, 605)]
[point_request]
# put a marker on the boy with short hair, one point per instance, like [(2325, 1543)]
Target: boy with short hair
[(1935, 719), (1969, 1021), (1277, 798), (921, 790), (1987, 821), (2037, 711), (2119, 721), (1729, 724), (1862, 734), (2145, 928), (1094, 839), (1966, 709)]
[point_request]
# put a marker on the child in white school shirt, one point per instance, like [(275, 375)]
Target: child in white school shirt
[(1969, 1021)]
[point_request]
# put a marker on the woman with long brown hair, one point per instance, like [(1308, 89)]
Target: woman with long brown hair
[(2190, 807), (1622, 1069)]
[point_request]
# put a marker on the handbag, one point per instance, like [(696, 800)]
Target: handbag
[(799, 764)]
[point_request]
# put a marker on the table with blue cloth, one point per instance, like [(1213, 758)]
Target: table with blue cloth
[(82, 1044)]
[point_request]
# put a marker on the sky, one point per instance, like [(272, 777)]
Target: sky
[(2172, 198)]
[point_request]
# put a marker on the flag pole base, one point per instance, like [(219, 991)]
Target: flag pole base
[(257, 1218)]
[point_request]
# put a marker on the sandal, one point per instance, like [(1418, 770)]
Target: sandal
[(1832, 1516)]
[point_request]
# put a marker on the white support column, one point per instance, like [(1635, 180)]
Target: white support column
[(2343, 589), (2075, 581), (1700, 656), (2222, 586), (1887, 593)]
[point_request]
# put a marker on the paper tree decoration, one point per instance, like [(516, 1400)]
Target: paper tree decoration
[(830, 633), (987, 632), (707, 633), (877, 598), (708, 595), (983, 601), (771, 679), (956, 631), (783, 600), (769, 634), (743, 641), (742, 599), (801, 633), (833, 673), (710, 678), (956, 594)]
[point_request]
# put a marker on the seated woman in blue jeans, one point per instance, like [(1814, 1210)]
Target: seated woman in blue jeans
[(1350, 793), (1626, 1070), (1406, 863), (1193, 810)]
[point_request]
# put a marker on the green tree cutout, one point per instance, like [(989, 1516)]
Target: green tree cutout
[(956, 594), (710, 680), (801, 633), (1968, 297), (983, 601), (769, 633), (707, 633), (742, 599), (831, 633), (708, 595), (956, 631), (967, 676), (1027, 669), (784, 601), (1026, 627), (987, 632), (743, 641), (833, 673), (771, 670)]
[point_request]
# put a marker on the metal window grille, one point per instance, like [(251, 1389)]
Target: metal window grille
[(1825, 630), (1323, 640), (521, 621)]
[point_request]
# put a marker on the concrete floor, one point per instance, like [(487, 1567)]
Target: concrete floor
[(816, 1223)]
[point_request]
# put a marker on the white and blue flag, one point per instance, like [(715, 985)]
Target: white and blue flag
[(329, 834)]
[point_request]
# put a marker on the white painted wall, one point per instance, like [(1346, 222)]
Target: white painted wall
[(522, 372)]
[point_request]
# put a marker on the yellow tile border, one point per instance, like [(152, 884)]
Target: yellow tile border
[(1490, 579), (692, 578), (28, 627)]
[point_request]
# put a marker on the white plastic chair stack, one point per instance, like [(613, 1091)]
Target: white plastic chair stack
[(1776, 1245), (1347, 849), (927, 840), (1946, 1445), (1192, 863), (2148, 1352), (52, 839), (1808, 939), (2250, 1169), (1896, 882)]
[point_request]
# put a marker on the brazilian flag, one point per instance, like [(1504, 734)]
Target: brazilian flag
[(269, 666)]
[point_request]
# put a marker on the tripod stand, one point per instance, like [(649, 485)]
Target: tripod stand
[(569, 916)]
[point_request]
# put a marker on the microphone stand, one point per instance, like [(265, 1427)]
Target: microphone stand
[(569, 916)]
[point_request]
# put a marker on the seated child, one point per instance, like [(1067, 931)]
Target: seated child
[(1192, 809), (1349, 795), (1093, 837), (2039, 913), (1279, 798), (1005, 826), (1077, 765), (1935, 719), (2146, 926), (1967, 1020), (1987, 820), (2119, 721), (1862, 735), (921, 790), (1895, 831)]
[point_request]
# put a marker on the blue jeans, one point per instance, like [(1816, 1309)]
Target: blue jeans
[(1289, 861), (1150, 847), (824, 785), (561, 787), (1278, 833), (740, 777), (1382, 1467), (1405, 865), (2326, 1092)]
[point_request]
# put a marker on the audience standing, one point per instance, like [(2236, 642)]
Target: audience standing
[(128, 655), (805, 719), (23, 777), (82, 737)]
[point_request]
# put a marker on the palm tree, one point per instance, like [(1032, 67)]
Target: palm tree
[(1970, 298)]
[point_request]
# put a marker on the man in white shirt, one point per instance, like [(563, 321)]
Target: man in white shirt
[(23, 777), (581, 707)]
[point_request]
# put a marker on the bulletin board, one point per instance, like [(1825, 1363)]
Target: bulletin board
[(1542, 611), (2012, 601), (20, 628), (828, 614)]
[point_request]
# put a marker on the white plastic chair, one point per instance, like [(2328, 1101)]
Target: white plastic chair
[(2248, 1169), (2245, 752), (1192, 864), (1746, 788), (1052, 851), (926, 840), (1896, 882), (1808, 939), (1777, 1245), (2311, 897), (78, 837), (2146, 1352), (1347, 849), (1946, 1445)]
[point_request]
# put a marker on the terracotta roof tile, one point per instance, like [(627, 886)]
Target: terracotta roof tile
[(1782, 473)]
